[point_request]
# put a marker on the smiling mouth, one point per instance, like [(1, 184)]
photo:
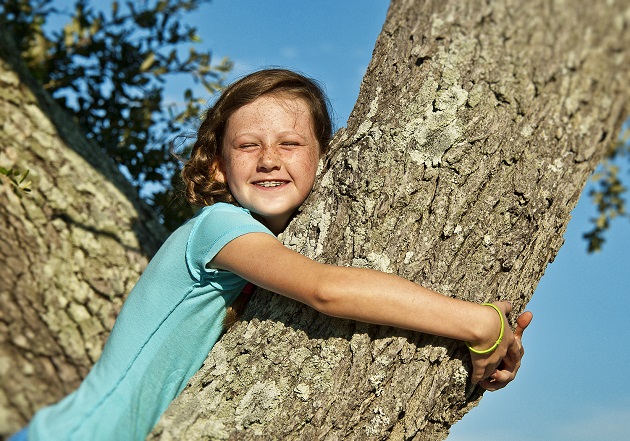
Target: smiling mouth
[(268, 184)]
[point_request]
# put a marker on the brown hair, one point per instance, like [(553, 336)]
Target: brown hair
[(198, 172)]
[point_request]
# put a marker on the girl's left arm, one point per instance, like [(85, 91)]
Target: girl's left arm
[(375, 297)]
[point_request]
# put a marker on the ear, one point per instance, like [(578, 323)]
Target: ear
[(216, 171)]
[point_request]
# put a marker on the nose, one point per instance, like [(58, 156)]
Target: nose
[(269, 159)]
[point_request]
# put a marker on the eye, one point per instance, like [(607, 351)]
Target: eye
[(247, 145)]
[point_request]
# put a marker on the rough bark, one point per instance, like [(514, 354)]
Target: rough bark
[(70, 251), (476, 128)]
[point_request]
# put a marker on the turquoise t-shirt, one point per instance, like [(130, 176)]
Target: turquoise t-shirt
[(167, 326)]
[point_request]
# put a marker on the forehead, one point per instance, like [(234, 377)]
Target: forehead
[(272, 109)]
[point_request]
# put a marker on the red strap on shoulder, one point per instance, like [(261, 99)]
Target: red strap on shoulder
[(248, 289)]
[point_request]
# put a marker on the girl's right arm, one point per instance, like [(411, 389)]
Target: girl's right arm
[(376, 297)]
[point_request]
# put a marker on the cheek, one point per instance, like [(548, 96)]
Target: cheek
[(234, 167), (309, 168)]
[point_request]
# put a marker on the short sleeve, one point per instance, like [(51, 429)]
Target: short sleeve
[(213, 228)]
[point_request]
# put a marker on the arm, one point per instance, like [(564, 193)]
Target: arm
[(368, 296)]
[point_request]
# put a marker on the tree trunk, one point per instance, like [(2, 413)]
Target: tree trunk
[(476, 128), (70, 251)]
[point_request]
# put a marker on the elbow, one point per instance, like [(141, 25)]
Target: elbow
[(327, 300)]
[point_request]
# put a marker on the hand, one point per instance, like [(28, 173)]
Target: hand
[(485, 365), (509, 365)]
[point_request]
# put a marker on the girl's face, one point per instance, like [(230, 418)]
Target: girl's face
[(270, 158)]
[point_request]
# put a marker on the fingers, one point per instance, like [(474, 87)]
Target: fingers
[(484, 367), (502, 376), (515, 350), (493, 385), (506, 307), (522, 322), (481, 372), (505, 371)]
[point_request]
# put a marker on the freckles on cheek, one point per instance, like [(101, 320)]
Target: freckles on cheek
[(235, 165), (307, 164)]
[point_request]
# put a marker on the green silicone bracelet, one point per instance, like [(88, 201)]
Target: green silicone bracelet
[(498, 342)]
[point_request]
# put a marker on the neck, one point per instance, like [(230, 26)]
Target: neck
[(275, 224)]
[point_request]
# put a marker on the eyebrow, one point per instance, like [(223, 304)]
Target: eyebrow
[(257, 134)]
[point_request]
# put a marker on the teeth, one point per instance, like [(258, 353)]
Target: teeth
[(269, 183)]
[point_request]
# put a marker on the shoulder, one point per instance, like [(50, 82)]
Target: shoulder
[(223, 219), (223, 208), (214, 227), (222, 215)]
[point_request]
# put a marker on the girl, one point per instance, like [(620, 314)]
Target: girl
[(252, 166)]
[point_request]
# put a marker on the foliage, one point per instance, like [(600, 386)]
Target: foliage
[(16, 181), (108, 69), (609, 193)]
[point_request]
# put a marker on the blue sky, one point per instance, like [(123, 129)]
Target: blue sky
[(572, 385)]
